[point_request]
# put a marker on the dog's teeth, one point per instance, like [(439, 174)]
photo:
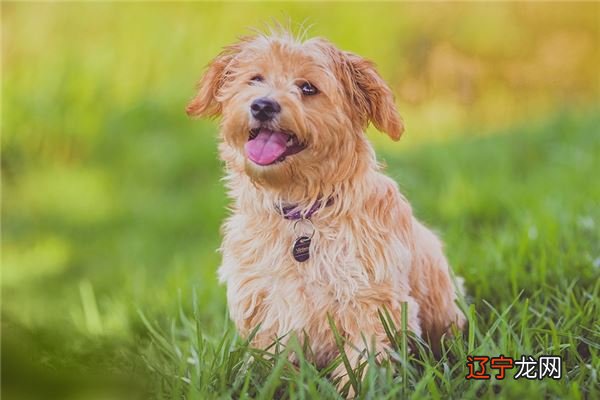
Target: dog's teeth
[(290, 142)]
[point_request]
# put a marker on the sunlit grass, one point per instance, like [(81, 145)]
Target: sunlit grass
[(187, 363)]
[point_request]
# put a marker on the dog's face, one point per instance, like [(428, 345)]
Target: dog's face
[(293, 114)]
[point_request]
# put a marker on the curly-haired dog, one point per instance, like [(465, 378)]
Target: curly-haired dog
[(316, 229)]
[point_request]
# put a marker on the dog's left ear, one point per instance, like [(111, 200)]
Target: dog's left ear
[(206, 103), (373, 97)]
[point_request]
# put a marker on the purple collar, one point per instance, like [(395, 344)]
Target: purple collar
[(291, 212)]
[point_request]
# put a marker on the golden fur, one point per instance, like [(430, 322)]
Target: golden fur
[(368, 251)]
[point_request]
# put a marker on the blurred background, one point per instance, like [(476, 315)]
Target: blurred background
[(111, 199)]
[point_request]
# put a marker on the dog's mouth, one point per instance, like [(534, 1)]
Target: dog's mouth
[(266, 146)]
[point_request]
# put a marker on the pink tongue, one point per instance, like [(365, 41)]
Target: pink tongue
[(266, 147)]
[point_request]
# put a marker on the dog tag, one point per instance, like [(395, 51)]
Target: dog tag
[(301, 248)]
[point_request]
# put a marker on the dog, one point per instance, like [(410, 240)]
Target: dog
[(317, 233)]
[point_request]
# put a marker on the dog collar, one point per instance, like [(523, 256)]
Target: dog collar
[(301, 245), (292, 213)]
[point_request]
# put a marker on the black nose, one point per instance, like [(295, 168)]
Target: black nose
[(264, 109)]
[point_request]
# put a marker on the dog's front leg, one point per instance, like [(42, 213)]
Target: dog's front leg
[(363, 333), (356, 352)]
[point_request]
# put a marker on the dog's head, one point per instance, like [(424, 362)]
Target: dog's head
[(294, 113)]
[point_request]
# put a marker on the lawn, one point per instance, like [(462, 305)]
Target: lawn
[(518, 212), (112, 199)]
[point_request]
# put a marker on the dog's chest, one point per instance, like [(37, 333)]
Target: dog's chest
[(339, 259), (295, 249), (266, 285)]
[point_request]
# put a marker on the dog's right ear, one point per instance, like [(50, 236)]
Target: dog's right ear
[(206, 103), (371, 94), (371, 98)]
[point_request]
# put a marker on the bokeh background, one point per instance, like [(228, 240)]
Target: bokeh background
[(111, 199)]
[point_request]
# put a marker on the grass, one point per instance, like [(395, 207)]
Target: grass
[(518, 211), (523, 235)]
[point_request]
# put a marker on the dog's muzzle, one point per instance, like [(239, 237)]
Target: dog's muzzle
[(266, 146)]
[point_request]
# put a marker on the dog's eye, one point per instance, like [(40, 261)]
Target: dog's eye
[(257, 78), (308, 89)]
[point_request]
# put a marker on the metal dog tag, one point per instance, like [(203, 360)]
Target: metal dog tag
[(301, 249)]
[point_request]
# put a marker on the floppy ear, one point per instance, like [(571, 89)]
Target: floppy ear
[(205, 104), (373, 97)]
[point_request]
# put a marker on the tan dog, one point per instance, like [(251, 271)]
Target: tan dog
[(292, 137)]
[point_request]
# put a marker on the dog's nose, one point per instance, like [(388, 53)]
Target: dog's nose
[(264, 109)]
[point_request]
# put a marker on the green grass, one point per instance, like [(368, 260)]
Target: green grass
[(518, 212)]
